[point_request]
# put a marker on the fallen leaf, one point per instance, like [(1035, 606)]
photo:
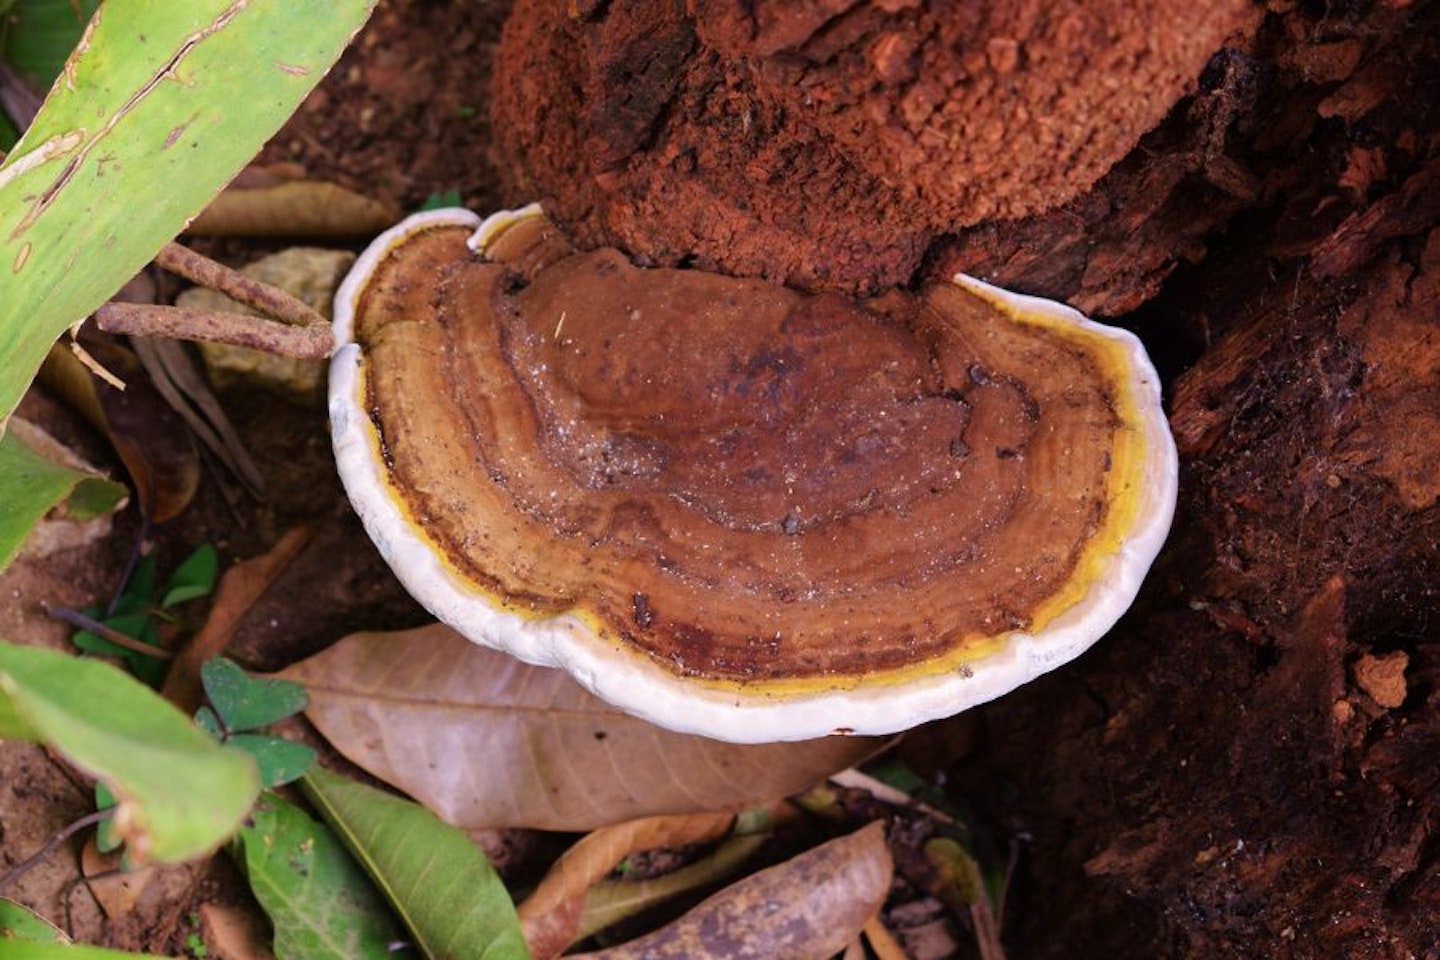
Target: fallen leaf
[(234, 932), (114, 889), (39, 475), (446, 892), (611, 901), (550, 916), (295, 208), (239, 589), (146, 432), (179, 379), (319, 901), (808, 908), (882, 941), (487, 741)]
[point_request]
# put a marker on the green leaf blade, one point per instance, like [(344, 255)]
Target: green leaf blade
[(194, 578), (31, 485), (248, 703), (319, 901), (18, 923), (141, 131), (280, 761), (180, 793), (426, 868)]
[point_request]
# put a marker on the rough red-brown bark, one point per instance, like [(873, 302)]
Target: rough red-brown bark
[(1248, 768), (829, 142)]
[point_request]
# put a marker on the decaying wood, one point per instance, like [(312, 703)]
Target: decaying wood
[(1226, 775)]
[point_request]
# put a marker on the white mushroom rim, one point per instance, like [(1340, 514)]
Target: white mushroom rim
[(636, 684)]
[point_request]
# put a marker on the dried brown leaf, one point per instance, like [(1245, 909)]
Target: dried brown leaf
[(487, 741), (234, 932), (550, 916), (808, 908), (882, 941), (239, 589), (611, 901), (183, 385), (147, 434), (296, 208), (115, 891)]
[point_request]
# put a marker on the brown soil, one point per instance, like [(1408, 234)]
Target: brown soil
[(1240, 770)]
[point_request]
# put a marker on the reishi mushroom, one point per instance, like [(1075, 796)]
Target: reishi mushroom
[(732, 508)]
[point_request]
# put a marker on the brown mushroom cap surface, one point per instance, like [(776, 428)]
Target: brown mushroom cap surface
[(738, 490)]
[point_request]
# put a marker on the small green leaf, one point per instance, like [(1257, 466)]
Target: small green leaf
[(195, 577), (180, 793), (318, 899), (438, 201), (246, 703), (280, 761), (31, 485), (17, 923), (443, 887)]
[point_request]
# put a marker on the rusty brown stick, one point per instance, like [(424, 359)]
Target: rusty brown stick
[(269, 300), (238, 329)]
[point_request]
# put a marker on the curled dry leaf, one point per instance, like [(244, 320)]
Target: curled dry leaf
[(810, 906), (487, 741), (612, 901), (292, 208), (146, 432), (240, 588), (550, 917)]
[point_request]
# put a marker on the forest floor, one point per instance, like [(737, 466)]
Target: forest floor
[(1234, 772)]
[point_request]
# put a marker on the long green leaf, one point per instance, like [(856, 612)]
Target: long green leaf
[(160, 106), (321, 904), (442, 886), (180, 793), (32, 485)]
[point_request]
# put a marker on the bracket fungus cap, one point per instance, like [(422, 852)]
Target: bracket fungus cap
[(735, 509)]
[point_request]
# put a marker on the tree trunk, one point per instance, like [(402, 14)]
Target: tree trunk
[(1248, 765)]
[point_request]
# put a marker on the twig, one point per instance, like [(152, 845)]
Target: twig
[(77, 619), (20, 869), (132, 560), (241, 330), (269, 300)]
